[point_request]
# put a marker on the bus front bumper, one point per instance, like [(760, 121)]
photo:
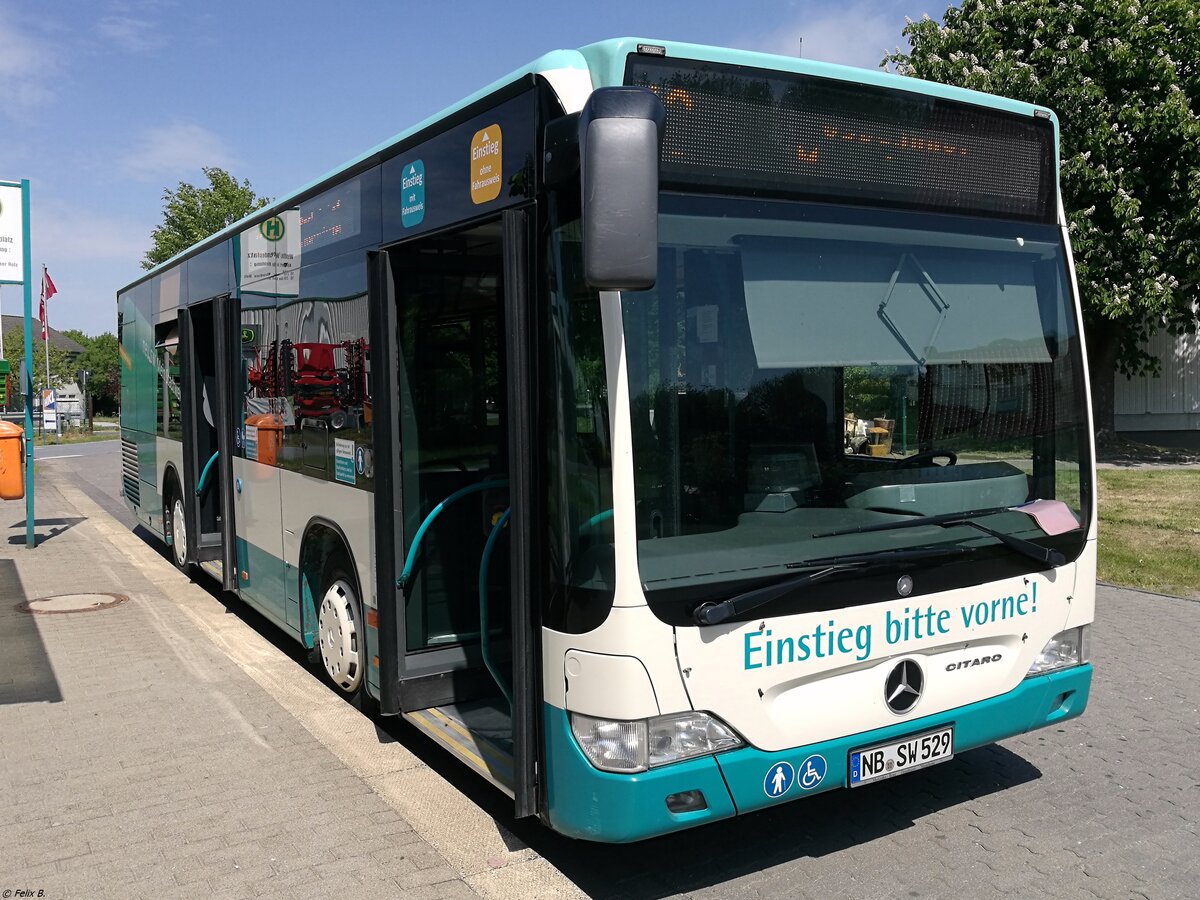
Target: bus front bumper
[(584, 802)]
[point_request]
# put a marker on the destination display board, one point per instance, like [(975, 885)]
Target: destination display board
[(840, 141)]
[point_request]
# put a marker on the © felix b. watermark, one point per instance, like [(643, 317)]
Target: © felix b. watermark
[(22, 892)]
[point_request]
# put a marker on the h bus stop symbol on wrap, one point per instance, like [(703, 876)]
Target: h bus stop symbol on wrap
[(272, 229)]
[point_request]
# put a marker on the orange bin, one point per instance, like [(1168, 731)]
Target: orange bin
[(270, 437), (12, 461)]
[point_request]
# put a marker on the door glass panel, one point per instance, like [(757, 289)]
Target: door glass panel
[(452, 431), (206, 398), (170, 413)]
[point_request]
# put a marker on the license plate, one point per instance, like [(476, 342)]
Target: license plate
[(896, 758)]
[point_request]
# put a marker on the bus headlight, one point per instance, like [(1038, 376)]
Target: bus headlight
[(615, 745), (611, 744), (1067, 648), (684, 735)]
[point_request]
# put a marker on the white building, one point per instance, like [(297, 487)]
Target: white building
[(1163, 410)]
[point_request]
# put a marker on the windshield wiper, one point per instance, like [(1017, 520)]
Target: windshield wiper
[(715, 612), (948, 520)]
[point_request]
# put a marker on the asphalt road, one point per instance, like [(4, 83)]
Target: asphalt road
[(95, 467), (1103, 806)]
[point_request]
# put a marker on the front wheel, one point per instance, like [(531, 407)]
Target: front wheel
[(340, 633)]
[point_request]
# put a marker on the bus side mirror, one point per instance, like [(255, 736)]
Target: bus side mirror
[(620, 133)]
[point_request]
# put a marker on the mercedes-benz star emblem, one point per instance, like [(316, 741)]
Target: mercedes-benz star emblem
[(903, 687)]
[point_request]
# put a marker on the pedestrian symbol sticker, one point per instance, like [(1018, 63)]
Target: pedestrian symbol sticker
[(812, 771), (412, 193), (778, 779)]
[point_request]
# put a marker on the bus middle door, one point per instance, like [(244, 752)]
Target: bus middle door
[(208, 338)]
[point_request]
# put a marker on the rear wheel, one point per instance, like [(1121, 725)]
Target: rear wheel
[(176, 523)]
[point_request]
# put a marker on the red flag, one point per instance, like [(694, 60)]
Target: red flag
[(48, 291), (48, 288)]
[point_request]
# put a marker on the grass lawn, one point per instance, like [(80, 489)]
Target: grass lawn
[(1150, 529), (77, 437)]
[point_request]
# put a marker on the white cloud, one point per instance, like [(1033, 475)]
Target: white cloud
[(63, 230), (129, 33), (27, 65), (174, 150), (854, 35), (91, 253)]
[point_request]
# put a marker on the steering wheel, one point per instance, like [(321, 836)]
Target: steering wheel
[(926, 458)]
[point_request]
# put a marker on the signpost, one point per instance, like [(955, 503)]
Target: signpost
[(16, 267), (49, 412)]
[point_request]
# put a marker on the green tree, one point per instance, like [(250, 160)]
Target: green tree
[(1123, 76), (192, 213), (61, 370), (101, 361), (76, 335)]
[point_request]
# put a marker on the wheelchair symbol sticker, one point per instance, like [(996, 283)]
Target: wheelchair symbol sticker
[(812, 771), (778, 779)]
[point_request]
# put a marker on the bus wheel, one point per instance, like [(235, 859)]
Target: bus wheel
[(340, 633), (177, 529)]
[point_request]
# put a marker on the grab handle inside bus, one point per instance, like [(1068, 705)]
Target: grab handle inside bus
[(411, 559), (204, 473), (620, 135)]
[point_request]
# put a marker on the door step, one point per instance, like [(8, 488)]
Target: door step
[(478, 733)]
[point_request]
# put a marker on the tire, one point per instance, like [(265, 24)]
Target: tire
[(341, 634), (175, 520)]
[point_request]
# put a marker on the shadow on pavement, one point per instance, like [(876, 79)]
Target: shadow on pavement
[(234, 605), (828, 823), (715, 854), (55, 526), (26, 674)]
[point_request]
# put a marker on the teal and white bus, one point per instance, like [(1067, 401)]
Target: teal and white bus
[(665, 431)]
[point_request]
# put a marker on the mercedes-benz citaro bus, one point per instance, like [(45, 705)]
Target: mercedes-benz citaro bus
[(667, 432)]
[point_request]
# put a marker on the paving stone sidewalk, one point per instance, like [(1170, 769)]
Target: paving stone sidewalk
[(137, 760)]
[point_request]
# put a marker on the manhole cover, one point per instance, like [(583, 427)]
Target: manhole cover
[(70, 603)]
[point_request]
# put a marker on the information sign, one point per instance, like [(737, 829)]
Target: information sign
[(50, 411), (12, 235)]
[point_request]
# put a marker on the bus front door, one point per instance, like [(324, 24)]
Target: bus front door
[(208, 341), (453, 509)]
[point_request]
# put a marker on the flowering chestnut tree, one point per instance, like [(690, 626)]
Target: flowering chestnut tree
[(1123, 76)]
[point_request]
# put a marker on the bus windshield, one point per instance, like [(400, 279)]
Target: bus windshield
[(800, 371)]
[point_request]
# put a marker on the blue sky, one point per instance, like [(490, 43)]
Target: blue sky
[(104, 103)]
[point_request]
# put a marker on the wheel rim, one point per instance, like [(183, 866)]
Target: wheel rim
[(338, 635), (179, 532)]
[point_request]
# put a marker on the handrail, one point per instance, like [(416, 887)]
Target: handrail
[(597, 519), (204, 473), (484, 631), (411, 559)]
